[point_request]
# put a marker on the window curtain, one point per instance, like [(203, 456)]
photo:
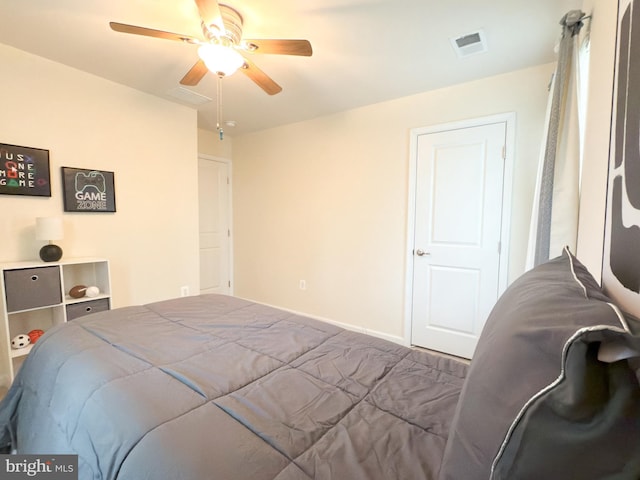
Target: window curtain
[(554, 220)]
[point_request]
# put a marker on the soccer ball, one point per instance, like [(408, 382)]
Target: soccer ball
[(20, 341)]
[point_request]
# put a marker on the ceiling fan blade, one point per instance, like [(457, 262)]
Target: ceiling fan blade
[(280, 47), (150, 32), (195, 74), (260, 78), (210, 14)]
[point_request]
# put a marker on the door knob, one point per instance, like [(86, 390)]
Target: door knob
[(422, 253)]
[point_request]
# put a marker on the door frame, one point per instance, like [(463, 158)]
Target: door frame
[(229, 164), (509, 118)]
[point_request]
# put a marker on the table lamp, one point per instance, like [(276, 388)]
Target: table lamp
[(49, 229)]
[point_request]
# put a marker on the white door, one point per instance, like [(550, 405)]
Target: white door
[(458, 217), (214, 203)]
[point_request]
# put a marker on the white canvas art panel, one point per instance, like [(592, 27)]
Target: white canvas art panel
[(621, 260)]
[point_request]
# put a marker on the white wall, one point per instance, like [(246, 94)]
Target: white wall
[(596, 153), (150, 144), (326, 200)]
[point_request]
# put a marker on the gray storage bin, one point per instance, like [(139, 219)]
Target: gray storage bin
[(32, 288), (77, 310)]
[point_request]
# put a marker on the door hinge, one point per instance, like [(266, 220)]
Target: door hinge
[(228, 182), (504, 152), (499, 248), (228, 233), (229, 283)]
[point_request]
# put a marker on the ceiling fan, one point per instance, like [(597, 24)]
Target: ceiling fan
[(224, 50)]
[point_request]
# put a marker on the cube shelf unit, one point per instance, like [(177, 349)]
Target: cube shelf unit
[(35, 295)]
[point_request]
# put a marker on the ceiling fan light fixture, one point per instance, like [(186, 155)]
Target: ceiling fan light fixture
[(219, 59)]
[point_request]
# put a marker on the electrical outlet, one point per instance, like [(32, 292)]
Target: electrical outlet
[(184, 291), (303, 284)]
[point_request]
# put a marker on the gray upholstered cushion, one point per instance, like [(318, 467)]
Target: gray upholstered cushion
[(518, 355), (586, 424)]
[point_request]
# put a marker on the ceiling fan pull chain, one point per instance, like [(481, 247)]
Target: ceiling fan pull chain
[(219, 109)]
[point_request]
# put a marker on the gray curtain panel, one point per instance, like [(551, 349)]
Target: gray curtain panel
[(571, 25)]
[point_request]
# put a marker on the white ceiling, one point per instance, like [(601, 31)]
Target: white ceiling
[(364, 51)]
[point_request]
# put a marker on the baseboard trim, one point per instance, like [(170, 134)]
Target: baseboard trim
[(346, 326)]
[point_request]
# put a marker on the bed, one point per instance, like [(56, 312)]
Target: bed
[(217, 387)]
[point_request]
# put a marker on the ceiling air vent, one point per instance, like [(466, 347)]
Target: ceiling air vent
[(470, 44), (188, 96)]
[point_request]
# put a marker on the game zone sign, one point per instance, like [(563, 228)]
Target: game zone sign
[(88, 190)]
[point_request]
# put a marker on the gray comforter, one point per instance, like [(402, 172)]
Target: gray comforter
[(215, 387)]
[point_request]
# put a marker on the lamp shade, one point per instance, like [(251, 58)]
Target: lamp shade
[(220, 59), (49, 228)]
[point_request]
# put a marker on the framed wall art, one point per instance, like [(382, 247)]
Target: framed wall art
[(621, 260), (88, 190), (24, 171)]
